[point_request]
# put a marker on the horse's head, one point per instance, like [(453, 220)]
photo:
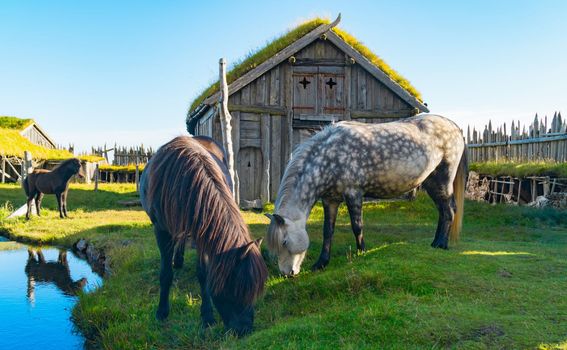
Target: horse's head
[(287, 239), (78, 169), (72, 167), (235, 300)]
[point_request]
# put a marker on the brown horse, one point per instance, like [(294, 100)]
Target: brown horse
[(217, 152), (55, 181), (184, 192)]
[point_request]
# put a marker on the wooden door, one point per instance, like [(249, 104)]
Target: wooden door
[(332, 99), (305, 92), (250, 165), (318, 93)]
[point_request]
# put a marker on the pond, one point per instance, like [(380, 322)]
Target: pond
[(38, 289)]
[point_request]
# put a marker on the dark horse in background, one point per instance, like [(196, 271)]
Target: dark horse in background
[(185, 193), (39, 270), (55, 181)]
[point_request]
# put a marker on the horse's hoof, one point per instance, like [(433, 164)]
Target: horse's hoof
[(209, 322), (319, 265), (161, 315), (440, 245)]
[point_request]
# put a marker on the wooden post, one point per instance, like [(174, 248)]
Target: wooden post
[(137, 176), (3, 169), (226, 128), (96, 175), (27, 165)]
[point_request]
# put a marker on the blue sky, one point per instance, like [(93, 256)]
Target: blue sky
[(92, 72)]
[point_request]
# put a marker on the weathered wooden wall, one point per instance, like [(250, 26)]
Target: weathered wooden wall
[(541, 141), (35, 136), (274, 113)]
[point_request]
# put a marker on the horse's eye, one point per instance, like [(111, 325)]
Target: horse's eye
[(284, 242)]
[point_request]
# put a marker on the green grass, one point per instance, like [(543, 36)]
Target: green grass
[(257, 57), (93, 158), (520, 169), (125, 168), (503, 286)]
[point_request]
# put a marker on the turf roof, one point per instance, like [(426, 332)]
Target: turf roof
[(253, 59), (13, 144), (14, 123)]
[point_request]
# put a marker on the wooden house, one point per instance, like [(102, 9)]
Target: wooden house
[(319, 75)]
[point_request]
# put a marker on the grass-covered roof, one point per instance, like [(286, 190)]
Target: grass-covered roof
[(255, 58), (14, 123), (13, 144)]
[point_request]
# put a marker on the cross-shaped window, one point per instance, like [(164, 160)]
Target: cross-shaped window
[(305, 82), (331, 83)]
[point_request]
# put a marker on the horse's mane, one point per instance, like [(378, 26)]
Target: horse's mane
[(295, 166), (64, 164), (194, 199)]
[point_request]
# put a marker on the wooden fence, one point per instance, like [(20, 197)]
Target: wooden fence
[(539, 142), (125, 155)]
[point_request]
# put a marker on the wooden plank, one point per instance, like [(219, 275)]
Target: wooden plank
[(265, 175), (376, 72), (287, 127), (380, 114), (249, 117), (249, 129), (276, 59), (258, 109), (276, 155), (255, 142), (361, 87), (3, 169), (261, 99), (275, 89), (347, 92), (319, 49)]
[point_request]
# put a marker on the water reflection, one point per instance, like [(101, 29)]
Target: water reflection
[(38, 289), (55, 272)]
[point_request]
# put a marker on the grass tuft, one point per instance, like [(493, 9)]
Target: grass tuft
[(520, 169)]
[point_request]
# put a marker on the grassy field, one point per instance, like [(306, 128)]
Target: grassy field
[(504, 286)]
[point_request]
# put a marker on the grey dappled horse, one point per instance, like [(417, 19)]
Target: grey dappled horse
[(348, 160)]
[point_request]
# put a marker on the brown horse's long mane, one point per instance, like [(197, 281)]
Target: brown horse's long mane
[(189, 188)]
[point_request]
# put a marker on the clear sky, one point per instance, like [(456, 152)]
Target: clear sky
[(92, 72)]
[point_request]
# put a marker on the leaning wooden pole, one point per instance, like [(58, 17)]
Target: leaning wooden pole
[(226, 128)]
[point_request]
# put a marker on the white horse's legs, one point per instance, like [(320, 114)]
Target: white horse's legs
[(330, 209), (439, 186), (354, 205)]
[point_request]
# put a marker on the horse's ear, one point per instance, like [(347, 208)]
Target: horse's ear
[(279, 219), (246, 249)]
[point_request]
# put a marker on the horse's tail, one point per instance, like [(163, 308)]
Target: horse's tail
[(459, 193), (26, 186)]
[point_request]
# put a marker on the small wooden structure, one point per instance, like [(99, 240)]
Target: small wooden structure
[(317, 79), (38, 136)]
